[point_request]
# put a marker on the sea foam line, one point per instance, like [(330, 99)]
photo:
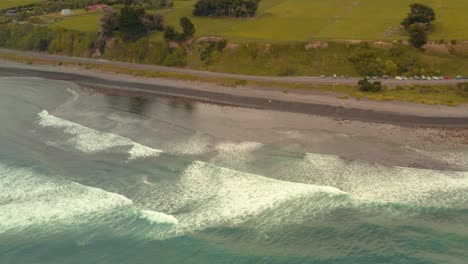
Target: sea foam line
[(89, 140)]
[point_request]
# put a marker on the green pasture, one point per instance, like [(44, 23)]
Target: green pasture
[(88, 22), (302, 20), (4, 4)]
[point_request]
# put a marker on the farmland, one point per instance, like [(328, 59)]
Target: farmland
[(87, 22), (302, 20), (4, 4)]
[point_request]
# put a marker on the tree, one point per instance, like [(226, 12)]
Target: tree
[(420, 14), (130, 25), (236, 8), (153, 22), (188, 28), (109, 22), (418, 35), (170, 34)]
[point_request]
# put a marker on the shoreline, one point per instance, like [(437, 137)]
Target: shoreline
[(295, 101)]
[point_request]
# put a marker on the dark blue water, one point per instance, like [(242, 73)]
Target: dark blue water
[(105, 178)]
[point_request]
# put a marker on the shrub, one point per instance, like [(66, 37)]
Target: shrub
[(170, 34), (366, 62), (236, 8), (366, 86), (462, 89), (209, 51)]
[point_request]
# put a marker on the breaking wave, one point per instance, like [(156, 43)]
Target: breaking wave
[(208, 196), (376, 183), (89, 140), (29, 199)]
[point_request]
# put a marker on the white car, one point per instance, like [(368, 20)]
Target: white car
[(398, 78)]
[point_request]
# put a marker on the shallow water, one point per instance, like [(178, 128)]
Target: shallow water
[(99, 178)]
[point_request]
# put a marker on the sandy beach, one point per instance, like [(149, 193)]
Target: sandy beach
[(297, 101)]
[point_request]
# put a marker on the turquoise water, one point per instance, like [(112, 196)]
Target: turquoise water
[(94, 178)]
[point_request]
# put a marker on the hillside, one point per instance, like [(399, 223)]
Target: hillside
[(301, 20)]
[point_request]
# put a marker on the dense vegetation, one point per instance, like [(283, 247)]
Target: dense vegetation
[(366, 86), (188, 30), (418, 24), (235, 8)]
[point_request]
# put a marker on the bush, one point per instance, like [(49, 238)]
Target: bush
[(209, 51), (235, 8), (177, 57), (170, 34), (366, 86), (462, 89), (366, 62)]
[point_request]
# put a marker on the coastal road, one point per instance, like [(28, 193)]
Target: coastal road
[(295, 79)]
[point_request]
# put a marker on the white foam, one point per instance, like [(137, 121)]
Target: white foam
[(89, 140), (195, 145), (30, 199), (376, 183), (158, 217), (213, 196), (235, 154)]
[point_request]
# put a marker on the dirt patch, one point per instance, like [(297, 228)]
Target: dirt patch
[(316, 45)]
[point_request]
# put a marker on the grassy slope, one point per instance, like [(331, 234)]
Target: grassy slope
[(446, 95), (4, 4), (88, 22), (301, 20)]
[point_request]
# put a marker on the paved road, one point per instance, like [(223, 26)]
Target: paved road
[(298, 79)]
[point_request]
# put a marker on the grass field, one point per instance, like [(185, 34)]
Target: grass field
[(88, 22), (302, 20), (4, 4)]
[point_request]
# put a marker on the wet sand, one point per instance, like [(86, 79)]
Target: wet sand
[(296, 101)]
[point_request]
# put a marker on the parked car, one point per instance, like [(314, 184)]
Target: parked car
[(398, 78), (417, 78), (385, 77), (447, 77), (458, 77)]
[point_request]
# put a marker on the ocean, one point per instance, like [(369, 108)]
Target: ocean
[(107, 177)]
